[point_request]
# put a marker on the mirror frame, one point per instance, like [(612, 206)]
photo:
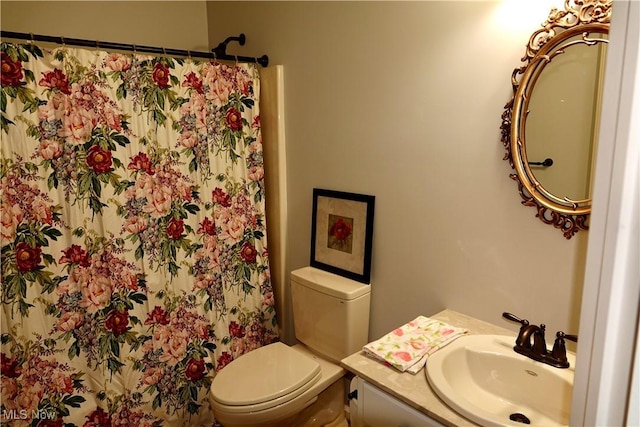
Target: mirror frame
[(578, 17)]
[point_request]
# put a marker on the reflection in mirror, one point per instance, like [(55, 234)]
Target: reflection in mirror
[(550, 133), (562, 118)]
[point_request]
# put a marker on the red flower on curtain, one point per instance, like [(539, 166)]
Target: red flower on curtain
[(11, 71), (207, 227), (99, 159), (117, 321), (28, 258), (175, 228), (161, 75), (158, 315), (74, 254), (194, 82), (9, 367), (248, 253), (55, 79), (234, 119), (98, 418), (220, 196), (236, 330), (141, 162), (195, 369)]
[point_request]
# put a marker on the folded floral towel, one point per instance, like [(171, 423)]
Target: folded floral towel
[(408, 347)]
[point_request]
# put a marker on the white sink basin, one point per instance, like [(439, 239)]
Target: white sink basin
[(483, 379)]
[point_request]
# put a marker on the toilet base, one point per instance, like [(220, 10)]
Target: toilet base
[(326, 411)]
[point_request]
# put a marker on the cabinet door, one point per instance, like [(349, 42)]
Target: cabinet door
[(379, 409)]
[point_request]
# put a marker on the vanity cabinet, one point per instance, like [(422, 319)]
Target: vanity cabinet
[(372, 407)]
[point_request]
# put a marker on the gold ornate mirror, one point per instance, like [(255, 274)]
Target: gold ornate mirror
[(549, 128)]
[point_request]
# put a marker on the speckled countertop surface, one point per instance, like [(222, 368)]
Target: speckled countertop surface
[(414, 390)]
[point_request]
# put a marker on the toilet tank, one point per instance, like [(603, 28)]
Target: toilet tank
[(330, 312)]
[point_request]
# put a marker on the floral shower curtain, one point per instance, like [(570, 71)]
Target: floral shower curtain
[(134, 256)]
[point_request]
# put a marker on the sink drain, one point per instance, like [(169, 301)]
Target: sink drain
[(519, 418)]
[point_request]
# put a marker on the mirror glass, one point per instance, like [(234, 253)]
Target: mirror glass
[(562, 118), (550, 127)]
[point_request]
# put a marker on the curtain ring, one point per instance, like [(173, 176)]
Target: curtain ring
[(32, 38), (62, 40), (236, 58), (134, 48), (97, 44), (164, 51), (188, 54), (215, 58)]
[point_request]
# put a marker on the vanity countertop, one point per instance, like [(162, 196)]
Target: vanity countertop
[(414, 390)]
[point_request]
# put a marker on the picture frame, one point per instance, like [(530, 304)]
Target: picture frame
[(342, 233)]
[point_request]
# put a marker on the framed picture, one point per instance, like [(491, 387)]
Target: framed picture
[(342, 233)]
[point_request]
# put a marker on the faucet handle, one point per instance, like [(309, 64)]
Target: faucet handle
[(559, 351), (514, 318)]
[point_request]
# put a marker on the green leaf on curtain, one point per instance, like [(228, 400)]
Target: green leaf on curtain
[(121, 92), (74, 350), (114, 365), (120, 139), (138, 297), (191, 208), (73, 401), (3, 101), (248, 102), (247, 287), (157, 402)]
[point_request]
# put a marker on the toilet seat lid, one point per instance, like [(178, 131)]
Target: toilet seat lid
[(264, 374)]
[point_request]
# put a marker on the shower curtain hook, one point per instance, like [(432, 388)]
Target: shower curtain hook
[(164, 51), (62, 40), (188, 54), (97, 44), (134, 48), (236, 57), (32, 38)]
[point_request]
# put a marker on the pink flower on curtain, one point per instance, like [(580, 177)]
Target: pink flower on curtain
[(118, 62), (11, 74)]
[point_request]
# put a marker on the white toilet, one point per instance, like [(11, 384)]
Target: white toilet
[(278, 385)]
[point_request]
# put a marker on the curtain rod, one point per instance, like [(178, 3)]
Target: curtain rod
[(219, 52)]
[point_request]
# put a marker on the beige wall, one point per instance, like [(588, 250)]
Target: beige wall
[(169, 24), (403, 100)]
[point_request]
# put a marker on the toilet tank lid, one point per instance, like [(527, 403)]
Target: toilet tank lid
[(329, 283)]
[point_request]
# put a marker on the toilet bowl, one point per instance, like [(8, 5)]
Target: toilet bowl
[(278, 385), (302, 385)]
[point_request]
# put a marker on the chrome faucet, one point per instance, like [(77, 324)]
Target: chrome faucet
[(532, 344)]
